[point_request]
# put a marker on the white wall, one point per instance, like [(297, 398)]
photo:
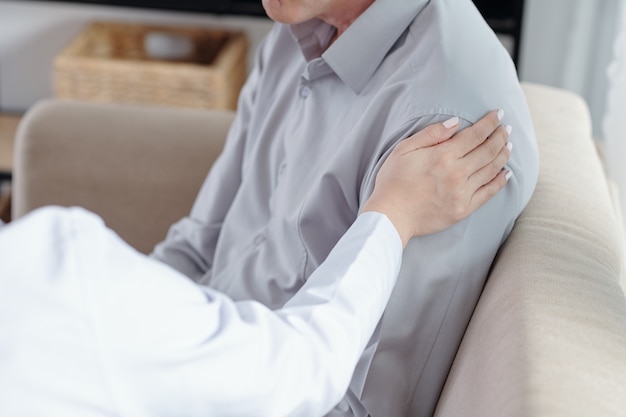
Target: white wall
[(32, 34)]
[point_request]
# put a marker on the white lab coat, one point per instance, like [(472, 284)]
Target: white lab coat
[(90, 327)]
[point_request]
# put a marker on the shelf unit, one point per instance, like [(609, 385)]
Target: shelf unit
[(505, 18), (8, 128)]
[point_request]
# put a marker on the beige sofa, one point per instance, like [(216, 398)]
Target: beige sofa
[(548, 337)]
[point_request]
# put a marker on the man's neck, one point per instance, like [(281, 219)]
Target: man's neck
[(344, 14)]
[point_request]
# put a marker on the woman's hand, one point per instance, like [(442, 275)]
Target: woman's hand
[(436, 178)]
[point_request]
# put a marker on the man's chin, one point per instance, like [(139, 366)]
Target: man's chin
[(278, 12)]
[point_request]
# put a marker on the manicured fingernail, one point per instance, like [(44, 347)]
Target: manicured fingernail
[(500, 114), (509, 129), (508, 175), (509, 146), (451, 122)]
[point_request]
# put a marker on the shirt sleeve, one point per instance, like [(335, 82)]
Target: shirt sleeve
[(441, 279), (190, 244)]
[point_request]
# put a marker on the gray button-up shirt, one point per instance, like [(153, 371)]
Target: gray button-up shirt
[(314, 124)]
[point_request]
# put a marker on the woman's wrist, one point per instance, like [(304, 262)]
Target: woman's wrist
[(402, 229)]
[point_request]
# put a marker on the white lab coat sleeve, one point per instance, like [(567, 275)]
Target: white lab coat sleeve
[(131, 336)]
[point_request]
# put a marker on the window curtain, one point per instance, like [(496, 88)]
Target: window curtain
[(614, 126), (580, 45), (569, 44)]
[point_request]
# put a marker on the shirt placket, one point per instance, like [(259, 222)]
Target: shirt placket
[(311, 75), (314, 70)]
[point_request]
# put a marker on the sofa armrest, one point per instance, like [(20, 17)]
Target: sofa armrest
[(139, 168), (548, 336)]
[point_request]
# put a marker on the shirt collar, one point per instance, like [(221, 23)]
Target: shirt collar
[(360, 50)]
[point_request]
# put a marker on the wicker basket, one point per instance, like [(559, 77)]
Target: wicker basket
[(108, 62)]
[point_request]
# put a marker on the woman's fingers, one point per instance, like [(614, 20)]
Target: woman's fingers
[(491, 169), (430, 135), (487, 191), (482, 152), (472, 137), (484, 157)]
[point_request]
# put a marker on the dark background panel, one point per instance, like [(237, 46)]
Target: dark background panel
[(504, 16)]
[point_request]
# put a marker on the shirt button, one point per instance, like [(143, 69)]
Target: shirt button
[(259, 239), (305, 91)]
